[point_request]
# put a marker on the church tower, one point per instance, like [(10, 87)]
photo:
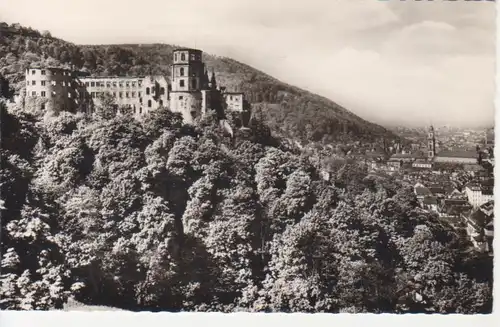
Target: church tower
[(431, 143)]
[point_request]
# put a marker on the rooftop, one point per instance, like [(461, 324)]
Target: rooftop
[(458, 154), (430, 200), (187, 49), (422, 191)]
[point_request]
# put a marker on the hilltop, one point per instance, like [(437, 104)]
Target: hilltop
[(290, 111)]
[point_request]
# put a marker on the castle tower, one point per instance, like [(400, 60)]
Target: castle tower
[(431, 143), (187, 81)]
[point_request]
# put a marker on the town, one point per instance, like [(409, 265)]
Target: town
[(451, 175)]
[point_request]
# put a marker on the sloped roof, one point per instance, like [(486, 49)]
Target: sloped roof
[(437, 190), (457, 154), (422, 191), (430, 200), (480, 217)]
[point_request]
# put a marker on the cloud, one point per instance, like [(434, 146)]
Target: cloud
[(387, 61)]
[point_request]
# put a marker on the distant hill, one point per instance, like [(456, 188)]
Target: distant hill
[(290, 111)]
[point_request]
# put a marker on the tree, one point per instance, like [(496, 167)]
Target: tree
[(107, 108), (5, 89)]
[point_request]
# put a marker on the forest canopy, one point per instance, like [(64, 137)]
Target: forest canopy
[(153, 214)]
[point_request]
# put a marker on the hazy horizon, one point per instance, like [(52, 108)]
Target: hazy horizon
[(392, 63)]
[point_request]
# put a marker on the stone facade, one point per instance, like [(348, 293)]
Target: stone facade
[(140, 94), (189, 90)]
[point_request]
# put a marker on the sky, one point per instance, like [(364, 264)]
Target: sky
[(390, 62)]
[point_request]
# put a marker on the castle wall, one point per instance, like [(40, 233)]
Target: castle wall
[(187, 103), (234, 101), (140, 94), (54, 84)]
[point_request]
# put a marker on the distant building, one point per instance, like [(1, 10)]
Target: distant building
[(422, 163), (457, 157), (140, 94), (189, 91), (478, 194), (431, 143), (421, 191), (430, 203), (479, 223)]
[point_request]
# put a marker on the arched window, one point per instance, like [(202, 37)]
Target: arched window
[(182, 71), (162, 90), (140, 110), (161, 102), (183, 57), (147, 91), (149, 103)]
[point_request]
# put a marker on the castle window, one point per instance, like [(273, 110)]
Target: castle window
[(162, 90), (181, 97), (139, 83), (63, 83), (43, 72), (139, 94), (43, 93), (120, 84), (54, 83), (135, 110), (175, 57), (183, 57), (181, 83), (69, 95), (108, 84), (126, 94), (147, 91), (133, 84), (114, 94), (193, 83), (120, 94), (149, 103), (42, 106), (92, 83), (231, 97), (33, 72), (33, 93), (161, 102), (182, 71), (33, 82), (53, 93), (127, 84), (133, 94), (114, 84), (140, 110), (92, 94)]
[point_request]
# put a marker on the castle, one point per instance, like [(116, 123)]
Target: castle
[(189, 90)]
